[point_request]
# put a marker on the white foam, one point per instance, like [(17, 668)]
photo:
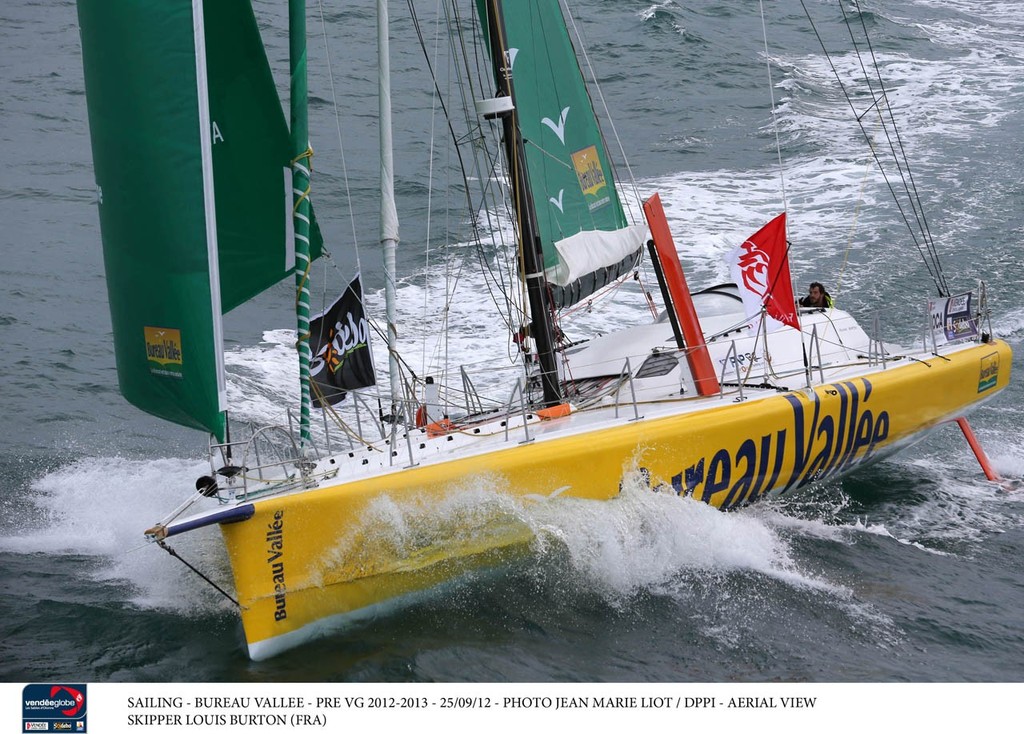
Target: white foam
[(998, 32), (961, 508), (933, 101), (881, 530), (646, 540), (642, 541), (99, 507), (1010, 325), (652, 10)]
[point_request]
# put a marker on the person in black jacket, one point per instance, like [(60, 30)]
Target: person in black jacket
[(817, 297)]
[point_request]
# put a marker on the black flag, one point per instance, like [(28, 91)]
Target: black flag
[(339, 340)]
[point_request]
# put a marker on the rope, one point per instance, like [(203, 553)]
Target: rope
[(344, 175), (912, 193), (336, 417), (473, 139), (308, 170), (196, 571)]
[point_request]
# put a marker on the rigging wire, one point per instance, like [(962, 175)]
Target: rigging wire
[(636, 198), (337, 125), (454, 22), (775, 117), (853, 229), (427, 244), (427, 239), (197, 572), (782, 178), (582, 50), (915, 198), (325, 255), (929, 254)]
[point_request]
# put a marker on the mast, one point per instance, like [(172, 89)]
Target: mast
[(541, 327), (388, 213), (301, 153)]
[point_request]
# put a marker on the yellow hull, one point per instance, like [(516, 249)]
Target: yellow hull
[(309, 560)]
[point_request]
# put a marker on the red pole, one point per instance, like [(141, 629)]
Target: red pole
[(979, 453), (704, 377)]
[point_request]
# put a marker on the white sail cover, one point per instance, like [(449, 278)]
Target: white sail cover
[(590, 250)]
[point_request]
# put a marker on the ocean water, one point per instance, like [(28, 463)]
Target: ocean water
[(909, 571)]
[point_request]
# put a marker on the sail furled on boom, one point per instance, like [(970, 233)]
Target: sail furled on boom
[(586, 238), (190, 150)]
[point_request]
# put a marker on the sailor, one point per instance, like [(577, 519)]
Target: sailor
[(817, 297)]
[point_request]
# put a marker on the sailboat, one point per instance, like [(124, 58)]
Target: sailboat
[(205, 201)]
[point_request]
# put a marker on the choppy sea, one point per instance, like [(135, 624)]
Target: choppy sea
[(910, 571)]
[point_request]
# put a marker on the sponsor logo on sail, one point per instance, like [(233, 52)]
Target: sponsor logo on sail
[(753, 264), (988, 374), (591, 177), (163, 350), (558, 128)]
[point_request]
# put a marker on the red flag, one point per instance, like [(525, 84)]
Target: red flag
[(760, 267)]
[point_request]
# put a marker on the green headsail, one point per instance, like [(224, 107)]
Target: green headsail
[(569, 172), (191, 155)]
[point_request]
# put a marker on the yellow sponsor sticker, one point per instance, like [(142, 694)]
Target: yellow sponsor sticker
[(163, 350), (591, 176), (988, 374)]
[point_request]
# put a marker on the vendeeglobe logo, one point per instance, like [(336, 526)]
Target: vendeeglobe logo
[(52, 707)]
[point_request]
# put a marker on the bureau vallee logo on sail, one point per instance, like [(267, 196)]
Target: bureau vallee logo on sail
[(591, 176), (163, 350)]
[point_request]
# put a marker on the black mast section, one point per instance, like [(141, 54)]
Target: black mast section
[(542, 327)]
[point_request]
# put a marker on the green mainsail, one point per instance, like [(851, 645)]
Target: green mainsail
[(570, 176), (192, 163)]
